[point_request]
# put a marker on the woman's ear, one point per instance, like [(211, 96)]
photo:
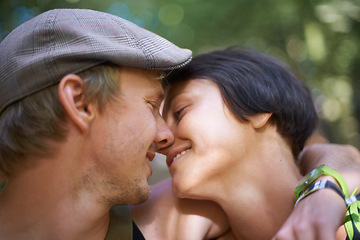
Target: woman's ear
[(259, 120), (71, 95)]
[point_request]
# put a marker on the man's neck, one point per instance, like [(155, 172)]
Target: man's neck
[(41, 205)]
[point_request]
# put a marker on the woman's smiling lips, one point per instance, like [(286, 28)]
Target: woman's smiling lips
[(175, 155)]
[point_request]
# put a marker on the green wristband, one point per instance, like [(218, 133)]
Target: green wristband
[(315, 174)]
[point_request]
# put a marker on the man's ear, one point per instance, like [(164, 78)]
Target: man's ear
[(259, 120), (71, 95)]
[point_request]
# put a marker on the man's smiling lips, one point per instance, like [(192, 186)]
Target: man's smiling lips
[(175, 155)]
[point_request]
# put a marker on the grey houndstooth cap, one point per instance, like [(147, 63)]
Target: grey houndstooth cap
[(41, 51)]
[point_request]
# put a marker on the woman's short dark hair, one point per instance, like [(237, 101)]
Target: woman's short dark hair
[(252, 83)]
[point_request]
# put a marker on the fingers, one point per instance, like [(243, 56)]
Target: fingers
[(294, 230)]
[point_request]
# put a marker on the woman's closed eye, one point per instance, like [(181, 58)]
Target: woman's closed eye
[(179, 113)]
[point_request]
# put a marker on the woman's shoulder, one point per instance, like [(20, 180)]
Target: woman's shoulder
[(169, 215)]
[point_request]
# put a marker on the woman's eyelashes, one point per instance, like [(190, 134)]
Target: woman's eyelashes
[(179, 113)]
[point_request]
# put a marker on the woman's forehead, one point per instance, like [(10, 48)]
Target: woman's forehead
[(193, 86)]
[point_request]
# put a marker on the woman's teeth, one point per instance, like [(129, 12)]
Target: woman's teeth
[(180, 154)]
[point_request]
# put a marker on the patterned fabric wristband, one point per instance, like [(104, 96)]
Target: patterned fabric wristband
[(352, 199), (322, 184), (352, 220)]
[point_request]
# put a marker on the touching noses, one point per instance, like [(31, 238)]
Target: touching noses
[(164, 137)]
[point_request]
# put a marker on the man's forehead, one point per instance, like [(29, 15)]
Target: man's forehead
[(156, 78)]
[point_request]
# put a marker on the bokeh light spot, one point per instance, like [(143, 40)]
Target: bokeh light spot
[(331, 110), (171, 14), (315, 42)]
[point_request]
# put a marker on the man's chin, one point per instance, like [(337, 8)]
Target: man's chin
[(142, 195)]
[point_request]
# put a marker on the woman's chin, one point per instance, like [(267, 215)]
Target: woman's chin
[(184, 189)]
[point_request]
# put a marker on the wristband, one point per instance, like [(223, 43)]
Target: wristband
[(315, 174), (352, 199), (352, 220), (322, 184)]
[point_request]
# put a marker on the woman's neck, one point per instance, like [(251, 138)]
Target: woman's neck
[(257, 193)]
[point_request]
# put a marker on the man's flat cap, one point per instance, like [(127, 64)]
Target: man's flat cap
[(41, 51)]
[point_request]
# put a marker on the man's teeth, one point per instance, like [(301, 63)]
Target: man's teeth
[(180, 154)]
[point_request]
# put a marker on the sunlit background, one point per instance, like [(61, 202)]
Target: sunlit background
[(318, 39)]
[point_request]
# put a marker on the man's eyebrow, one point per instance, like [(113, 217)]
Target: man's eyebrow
[(157, 96)]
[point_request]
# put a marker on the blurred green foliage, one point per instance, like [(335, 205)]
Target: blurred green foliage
[(318, 39)]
